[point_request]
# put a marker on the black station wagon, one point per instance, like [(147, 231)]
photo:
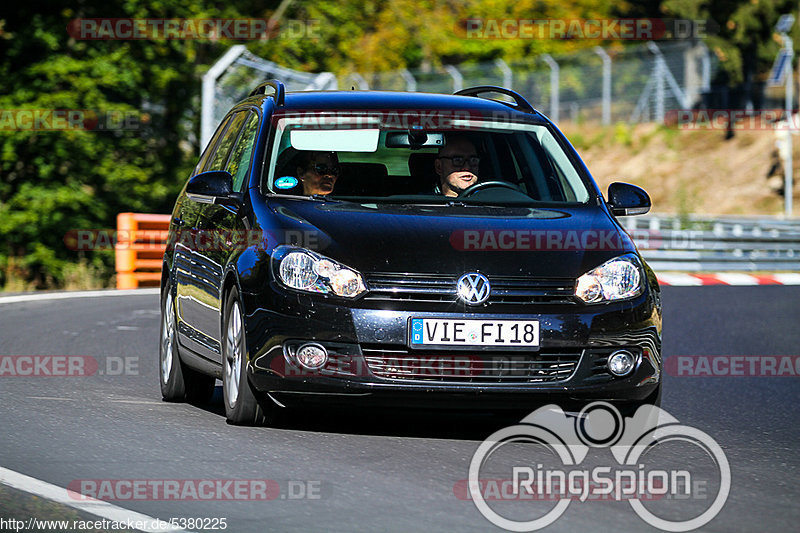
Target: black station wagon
[(403, 249)]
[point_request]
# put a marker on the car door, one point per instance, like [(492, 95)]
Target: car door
[(184, 223), (229, 230), (196, 291)]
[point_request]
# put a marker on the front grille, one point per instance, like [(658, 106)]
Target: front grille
[(339, 364), (510, 367), (428, 288), (599, 367), (441, 288)]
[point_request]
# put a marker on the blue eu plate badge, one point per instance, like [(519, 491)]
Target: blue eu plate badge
[(416, 330)]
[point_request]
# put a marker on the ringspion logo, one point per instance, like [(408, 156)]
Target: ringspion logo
[(568, 438)]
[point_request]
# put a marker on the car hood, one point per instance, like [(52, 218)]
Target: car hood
[(453, 239)]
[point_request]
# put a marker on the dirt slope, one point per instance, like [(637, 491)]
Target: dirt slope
[(689, 171)]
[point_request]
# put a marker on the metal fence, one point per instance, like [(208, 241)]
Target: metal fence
[(697, 244), (237, 73), (629, 84), (637, 83)]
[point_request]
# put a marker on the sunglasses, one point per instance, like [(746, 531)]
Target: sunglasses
[(322, 169), (459, 160)]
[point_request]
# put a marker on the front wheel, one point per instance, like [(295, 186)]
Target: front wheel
[(652, 401), (241, 405)]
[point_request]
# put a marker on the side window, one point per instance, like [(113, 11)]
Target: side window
[(218, 159), (239, 161), (570, 182), (210, 147)]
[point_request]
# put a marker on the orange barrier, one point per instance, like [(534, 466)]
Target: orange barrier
[(141, 240)]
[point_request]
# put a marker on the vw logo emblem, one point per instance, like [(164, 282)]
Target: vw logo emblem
[(473, 288)]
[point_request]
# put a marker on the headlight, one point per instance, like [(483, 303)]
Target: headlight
[(616, 279), (297, 271), (309, 271)]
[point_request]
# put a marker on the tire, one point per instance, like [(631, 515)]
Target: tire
[(178, 382), (242, 407), (654, 399)]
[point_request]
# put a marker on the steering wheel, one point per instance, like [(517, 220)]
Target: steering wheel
[(472, 189)]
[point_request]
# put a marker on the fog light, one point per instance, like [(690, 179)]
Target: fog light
[(621, 363), (312, 356)]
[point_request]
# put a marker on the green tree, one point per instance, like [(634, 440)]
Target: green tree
[(744, 42), (57, 181), (369, 36)]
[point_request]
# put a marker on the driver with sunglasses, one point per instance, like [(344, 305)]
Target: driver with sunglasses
[(318, 172), (456, 165)]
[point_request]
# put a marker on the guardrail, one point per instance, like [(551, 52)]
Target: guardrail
[(705, 244), (141, 240)]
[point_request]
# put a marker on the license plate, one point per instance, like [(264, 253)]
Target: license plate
[(469, 332)]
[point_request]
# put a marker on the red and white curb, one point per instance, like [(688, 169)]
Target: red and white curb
[(682, 279)]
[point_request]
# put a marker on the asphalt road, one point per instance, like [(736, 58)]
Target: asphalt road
[(376, 470)]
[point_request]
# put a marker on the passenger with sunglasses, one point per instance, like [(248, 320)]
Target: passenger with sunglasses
[(456, 165), (318, 172)]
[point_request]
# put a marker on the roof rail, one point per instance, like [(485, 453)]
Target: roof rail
[(521, 103), (279, 90)]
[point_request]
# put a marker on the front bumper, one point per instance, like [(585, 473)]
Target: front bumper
[(370, 359)]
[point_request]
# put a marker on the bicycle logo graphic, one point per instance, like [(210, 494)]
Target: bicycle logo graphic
[(598, 425)]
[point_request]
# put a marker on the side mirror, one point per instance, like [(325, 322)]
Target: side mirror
[(626, 199), (213, 187)]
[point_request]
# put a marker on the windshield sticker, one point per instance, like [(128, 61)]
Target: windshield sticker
[(286, 182)]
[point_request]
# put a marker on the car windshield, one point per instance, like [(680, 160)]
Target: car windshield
[(371, 159)]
